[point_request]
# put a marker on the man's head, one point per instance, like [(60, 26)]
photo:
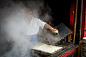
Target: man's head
[(30, 13)]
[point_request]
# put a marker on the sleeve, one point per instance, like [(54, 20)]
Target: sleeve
[(41, 23)]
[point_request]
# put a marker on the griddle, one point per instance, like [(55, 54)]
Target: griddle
[(47, 48)]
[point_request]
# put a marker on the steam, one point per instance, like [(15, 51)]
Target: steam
[(40, 9), (13, 28), (13, 40)]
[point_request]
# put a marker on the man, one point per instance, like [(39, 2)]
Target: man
[(33, 27)]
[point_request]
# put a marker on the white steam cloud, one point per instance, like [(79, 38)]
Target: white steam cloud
[(13, 42)]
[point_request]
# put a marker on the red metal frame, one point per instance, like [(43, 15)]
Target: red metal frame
[(83, 21), (72, 9)]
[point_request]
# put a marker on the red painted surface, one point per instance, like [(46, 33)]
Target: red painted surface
[(85, 23), (72, 9), (68, 53), (83, 20)]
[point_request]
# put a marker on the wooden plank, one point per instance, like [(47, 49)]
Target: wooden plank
[(80, 48)]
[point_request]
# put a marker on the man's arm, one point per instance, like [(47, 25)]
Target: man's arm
[(49, 27)]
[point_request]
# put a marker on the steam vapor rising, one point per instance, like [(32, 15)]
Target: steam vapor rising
[(13, 42)]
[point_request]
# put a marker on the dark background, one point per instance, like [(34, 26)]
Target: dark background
[(60, 10)]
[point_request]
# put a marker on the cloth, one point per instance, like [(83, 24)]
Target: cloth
[(34, 26)]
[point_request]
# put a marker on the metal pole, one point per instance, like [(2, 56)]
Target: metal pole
[(75, 21)]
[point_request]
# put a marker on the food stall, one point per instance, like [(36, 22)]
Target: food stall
[(66, 42)]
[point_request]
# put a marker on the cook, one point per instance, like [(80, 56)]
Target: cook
[(33, 27)]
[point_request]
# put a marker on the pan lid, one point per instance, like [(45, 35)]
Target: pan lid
[(63, 32)]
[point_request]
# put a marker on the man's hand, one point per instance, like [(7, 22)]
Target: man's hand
[(53, 30), (49, 27)]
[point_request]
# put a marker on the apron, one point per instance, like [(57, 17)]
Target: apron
[(34, 39)]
